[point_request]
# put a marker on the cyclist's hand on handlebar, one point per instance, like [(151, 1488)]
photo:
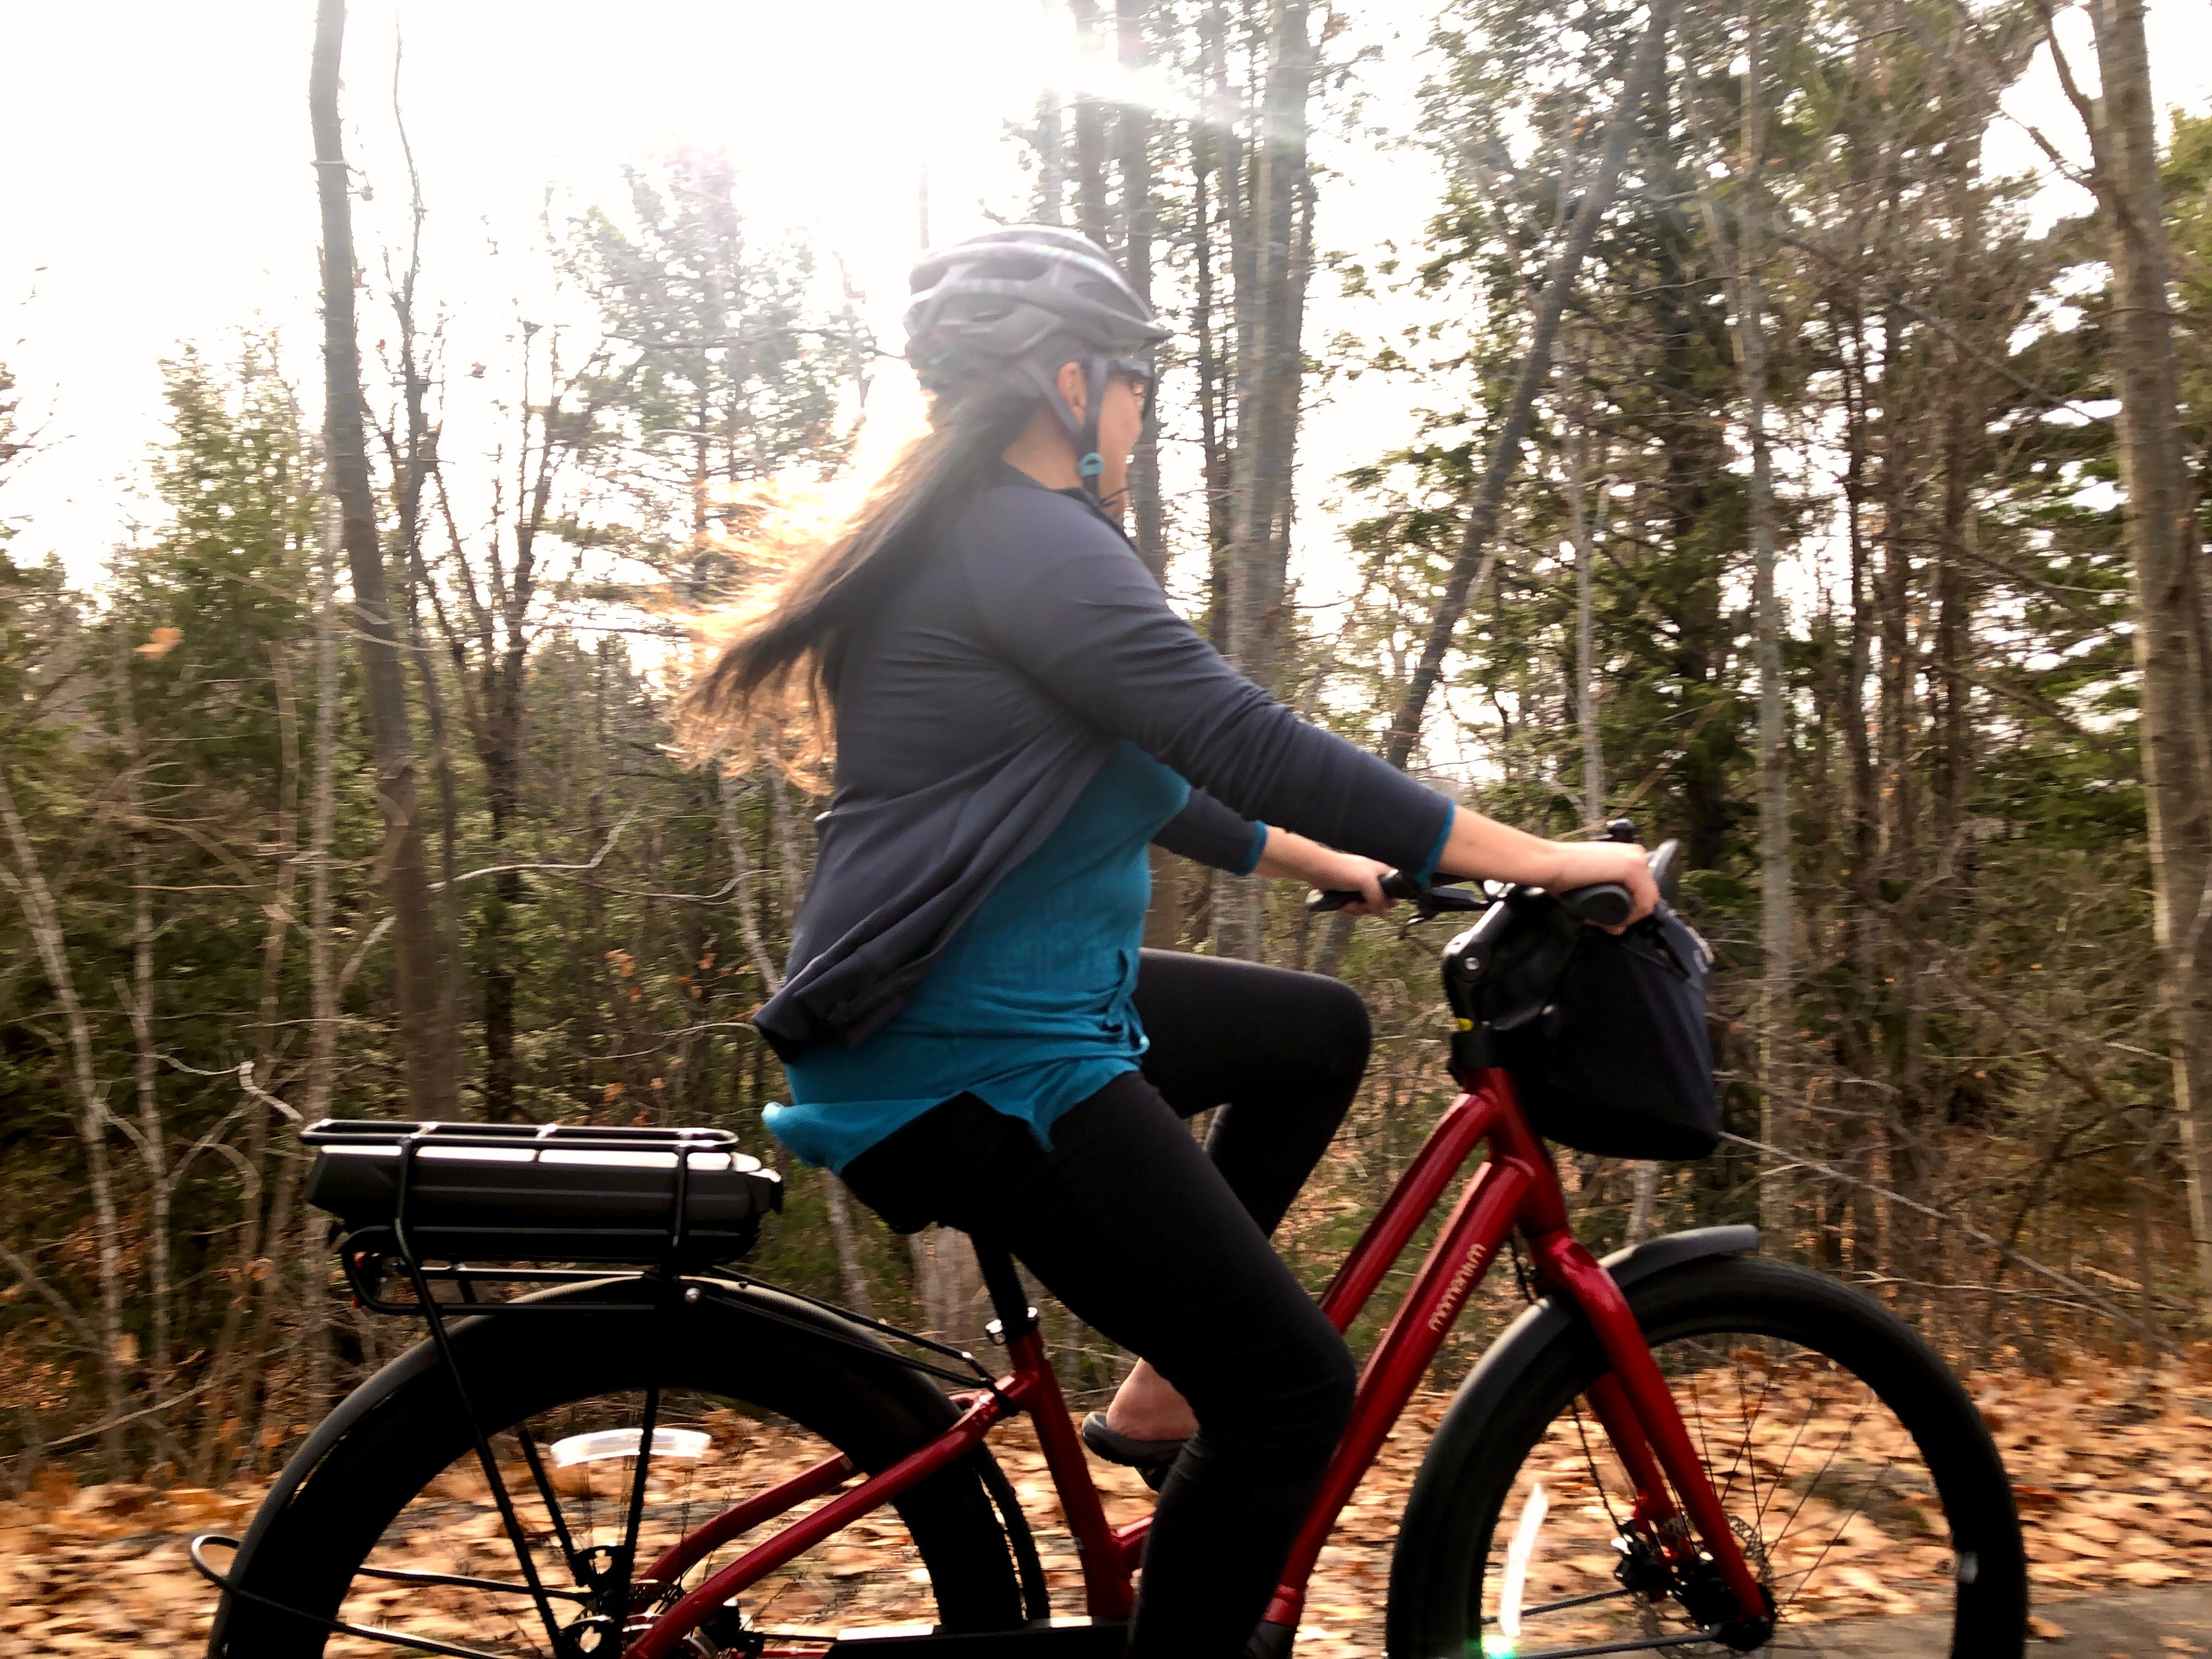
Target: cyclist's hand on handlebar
[(1594, 863), (1326, 869)]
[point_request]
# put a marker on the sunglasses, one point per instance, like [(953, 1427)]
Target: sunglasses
[(1139, 374)]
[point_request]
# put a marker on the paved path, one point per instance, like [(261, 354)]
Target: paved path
[(2152, 1623)]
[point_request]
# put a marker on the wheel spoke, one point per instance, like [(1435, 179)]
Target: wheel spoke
[(623, 1479), (1812, 1486), (1747, 1431), (1818, 1462), (1841, 1527)]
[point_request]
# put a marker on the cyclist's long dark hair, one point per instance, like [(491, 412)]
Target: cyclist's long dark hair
[(775, 680)]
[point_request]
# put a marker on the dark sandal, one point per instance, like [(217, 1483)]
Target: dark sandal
[(1151, 1459)]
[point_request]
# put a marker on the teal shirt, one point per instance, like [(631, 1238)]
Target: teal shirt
[(1031, 1007)]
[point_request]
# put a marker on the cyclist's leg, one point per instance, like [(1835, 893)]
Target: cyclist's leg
[(1136, 1231), (1281, 1053)]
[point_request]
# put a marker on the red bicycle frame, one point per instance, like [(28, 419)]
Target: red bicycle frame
[(1515, 1188)]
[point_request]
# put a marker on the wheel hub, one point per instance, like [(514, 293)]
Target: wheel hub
[(1700, 1591)]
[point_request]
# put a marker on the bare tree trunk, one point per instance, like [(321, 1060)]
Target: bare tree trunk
[(1052, 161), (1233, 910), (1268, 351), (275, 1283), (1645, 1191), (152, 1143), (27, 881), (1089, 136), (849, 1270), (1215, 156), (1913, 1147), (431, 1087), (1133, 128), (1267, 383), (841, 1236), (741, 873), (1747, 291), (1578, 526), (412, 454), (322, 994), (1643, 74), (1863, 956), (787, 848), (2171, 654), (921, 1254), (1287, 397)]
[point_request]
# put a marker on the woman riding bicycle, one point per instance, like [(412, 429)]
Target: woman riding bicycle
[(972, 1034)]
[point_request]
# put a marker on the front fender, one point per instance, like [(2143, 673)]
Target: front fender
[(1498, 1377)]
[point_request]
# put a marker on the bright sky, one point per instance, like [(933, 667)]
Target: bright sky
[(158, 189)]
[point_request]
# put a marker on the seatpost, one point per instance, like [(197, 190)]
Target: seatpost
[(1017, 1318)]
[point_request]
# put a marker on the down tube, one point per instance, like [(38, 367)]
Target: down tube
[(1479, 1224)]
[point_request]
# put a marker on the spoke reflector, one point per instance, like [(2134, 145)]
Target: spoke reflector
[(624, 1442), (1516, 1559)]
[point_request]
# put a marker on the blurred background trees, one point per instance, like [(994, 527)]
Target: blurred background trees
[(1853, 535)]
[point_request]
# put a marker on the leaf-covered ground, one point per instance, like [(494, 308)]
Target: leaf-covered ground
[(2113, 1469)]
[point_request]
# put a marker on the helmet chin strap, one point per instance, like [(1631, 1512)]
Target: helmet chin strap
[(1083, 429), (1088, 464)]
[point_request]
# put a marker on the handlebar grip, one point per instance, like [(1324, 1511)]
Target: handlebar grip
[(1607, 903), (1395, 884)]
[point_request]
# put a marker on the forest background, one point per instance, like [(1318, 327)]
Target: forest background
[(1796, 443)]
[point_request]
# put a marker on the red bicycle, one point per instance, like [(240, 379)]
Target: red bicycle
[(1682, 1446)]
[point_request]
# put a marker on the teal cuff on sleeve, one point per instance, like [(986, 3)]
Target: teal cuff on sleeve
[(1427, 872), (1258, 849)]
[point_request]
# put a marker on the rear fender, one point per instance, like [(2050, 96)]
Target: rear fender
[(470, 1334)]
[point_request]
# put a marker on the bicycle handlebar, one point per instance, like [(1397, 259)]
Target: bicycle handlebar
[(1607, 903), (1399, 885)]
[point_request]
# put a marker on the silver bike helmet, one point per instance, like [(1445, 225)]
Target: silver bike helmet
[(1004, 310)]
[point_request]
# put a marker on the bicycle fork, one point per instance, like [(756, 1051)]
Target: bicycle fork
[(1640, 1418)]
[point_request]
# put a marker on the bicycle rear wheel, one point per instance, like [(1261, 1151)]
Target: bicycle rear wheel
[(742, 1398), (1855, 1471)]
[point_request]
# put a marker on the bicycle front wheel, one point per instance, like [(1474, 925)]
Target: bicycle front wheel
[(1854, 1470), (617, 1433)]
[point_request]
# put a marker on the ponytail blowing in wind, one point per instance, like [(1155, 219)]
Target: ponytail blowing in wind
[(991, 323), (773, 678)]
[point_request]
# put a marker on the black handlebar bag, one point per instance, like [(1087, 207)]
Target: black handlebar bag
[(1605, 1035)]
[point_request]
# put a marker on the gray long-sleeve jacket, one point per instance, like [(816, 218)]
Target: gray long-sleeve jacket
[(975, 705)]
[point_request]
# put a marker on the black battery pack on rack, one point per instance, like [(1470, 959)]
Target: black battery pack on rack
[(489, 1192)]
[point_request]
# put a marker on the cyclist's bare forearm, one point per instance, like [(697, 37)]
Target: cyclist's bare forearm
[(1483, 849), (1297, 858)]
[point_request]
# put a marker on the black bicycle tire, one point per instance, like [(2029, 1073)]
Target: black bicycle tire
[(1443, 1559), (517, 1367)]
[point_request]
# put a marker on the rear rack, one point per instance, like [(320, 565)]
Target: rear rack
[(483, 1193)]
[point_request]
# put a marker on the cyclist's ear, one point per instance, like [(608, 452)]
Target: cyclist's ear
[(1071, 383)]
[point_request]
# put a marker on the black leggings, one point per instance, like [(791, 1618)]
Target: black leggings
[(1165, 1249)]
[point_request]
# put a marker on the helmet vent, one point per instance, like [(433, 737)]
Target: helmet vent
[(1004, 268)]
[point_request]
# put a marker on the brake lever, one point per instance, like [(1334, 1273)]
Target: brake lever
[(1429, 900)]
